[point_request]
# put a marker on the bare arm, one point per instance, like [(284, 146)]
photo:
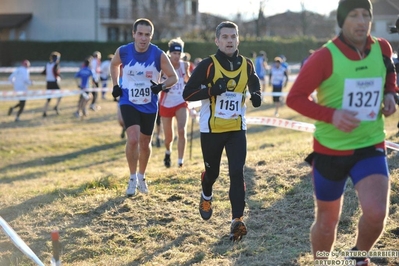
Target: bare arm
[(188, 72), (114, 68), (389, 104), (168, 70)]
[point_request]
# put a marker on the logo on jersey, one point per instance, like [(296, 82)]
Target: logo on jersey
[(365, 84), (361, 68), (148, 74), (231, 84)]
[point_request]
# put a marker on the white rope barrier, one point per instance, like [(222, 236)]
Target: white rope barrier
[(295, 125), (43, 94), (18, 242), (46, 94), (268, 121)]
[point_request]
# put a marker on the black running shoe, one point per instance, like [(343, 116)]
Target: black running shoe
[(166, 160), (158, 143), (205, 208), (238, 229)]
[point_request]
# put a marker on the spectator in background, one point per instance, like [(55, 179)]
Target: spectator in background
[(284, 63), (311, 51), (95, 65), (261, 70), (105, 74), (83, 81), (187, 58), (252, 56), (196, 62), (20, 79)]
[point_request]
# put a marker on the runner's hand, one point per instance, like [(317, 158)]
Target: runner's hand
[(256, 98), (116, 91), (218, 88), (157, 87), (345, 120)]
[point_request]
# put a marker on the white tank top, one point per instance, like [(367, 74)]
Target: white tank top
[(175, 95), (49, 72)]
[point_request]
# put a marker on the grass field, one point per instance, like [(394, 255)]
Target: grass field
[(62, 173)]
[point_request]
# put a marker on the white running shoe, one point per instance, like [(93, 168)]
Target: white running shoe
[(131, 188), (142, 186)]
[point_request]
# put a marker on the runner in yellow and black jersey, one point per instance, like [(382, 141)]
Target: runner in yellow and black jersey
[(220, 82)]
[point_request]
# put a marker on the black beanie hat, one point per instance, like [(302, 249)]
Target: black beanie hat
[(346, 6)]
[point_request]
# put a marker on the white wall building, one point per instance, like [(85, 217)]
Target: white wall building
[(92, 20)]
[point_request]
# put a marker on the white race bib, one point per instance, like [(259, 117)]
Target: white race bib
[(363, 96), (228, 105), (139, 93)]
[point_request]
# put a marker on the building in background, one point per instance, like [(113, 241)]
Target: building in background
[(112, 20), (93, 20)]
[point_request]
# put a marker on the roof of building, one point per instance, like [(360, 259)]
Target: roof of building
[(14, 20)]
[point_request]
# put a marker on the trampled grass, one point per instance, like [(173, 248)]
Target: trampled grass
[(66, 174)]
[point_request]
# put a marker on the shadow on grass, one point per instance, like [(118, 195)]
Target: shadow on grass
[(277, 233), (66, 113), (11, 255), (52, 160)]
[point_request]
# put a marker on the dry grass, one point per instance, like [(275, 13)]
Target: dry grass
[(71, 175)]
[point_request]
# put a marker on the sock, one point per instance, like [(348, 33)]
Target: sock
[(133, 176), (141, 176), (206, 197), (180, 161), (168, 152)]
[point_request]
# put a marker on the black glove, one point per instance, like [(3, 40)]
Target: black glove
[(396, 96), (157, 87), (116, 91), (256, 98), (218, 88)]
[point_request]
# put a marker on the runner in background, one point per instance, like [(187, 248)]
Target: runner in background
[(82, 78), (95, 65), (105, 75), (20, 79), (261, 70), (52, 72), (172, 106)]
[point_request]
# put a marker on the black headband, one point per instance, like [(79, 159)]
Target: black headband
[(175, 47)]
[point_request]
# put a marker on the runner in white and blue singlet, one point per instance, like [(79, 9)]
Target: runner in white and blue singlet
[(141, 63)]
